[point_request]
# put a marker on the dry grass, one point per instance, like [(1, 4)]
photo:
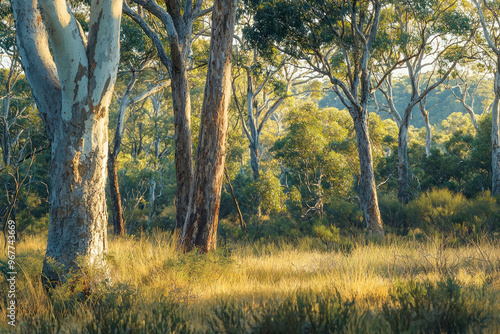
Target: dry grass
[(151, 267)]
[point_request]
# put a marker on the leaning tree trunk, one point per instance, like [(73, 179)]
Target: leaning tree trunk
[(403, 179), (200, 228), (495, 134), (368, 191), (74, 106)]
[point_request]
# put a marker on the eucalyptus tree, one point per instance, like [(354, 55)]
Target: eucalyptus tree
[(178, 22), (336, 39), (127, 101), (72, 78), (200, 228), (491, 30), (432, 39)]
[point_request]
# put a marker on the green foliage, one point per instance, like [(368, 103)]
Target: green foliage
[(444, 212), (271, 193), (304, 312), (444, 307)]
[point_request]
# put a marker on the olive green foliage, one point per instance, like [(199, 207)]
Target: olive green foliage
[(271, 194), (316, 152), (460, 159), (442, 307), (442, 211)]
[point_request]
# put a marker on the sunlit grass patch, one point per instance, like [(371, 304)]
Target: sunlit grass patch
[(258, 286)]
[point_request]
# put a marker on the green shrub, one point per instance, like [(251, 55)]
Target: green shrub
[(444, 307), (325, 312)]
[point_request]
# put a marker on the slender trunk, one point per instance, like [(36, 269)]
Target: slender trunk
[(254, 158), (6, 141), (368, 192), (473, 118), (200, 228), (240, 216), (152, 189), (495, 134), (428, 134), (183, 143), (114, 188), (403, 192)]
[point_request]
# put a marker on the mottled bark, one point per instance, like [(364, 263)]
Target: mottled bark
[(200, 228), (368, 191), (74, 105)]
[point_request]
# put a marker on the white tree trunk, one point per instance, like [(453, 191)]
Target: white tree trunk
[(73, 91)]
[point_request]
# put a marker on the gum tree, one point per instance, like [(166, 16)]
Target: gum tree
[(177, 21), (432, 39), (491, 31), (72, 79), (334, 38), (200, 227)]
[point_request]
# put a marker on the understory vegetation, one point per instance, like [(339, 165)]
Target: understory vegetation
[(398, 285)]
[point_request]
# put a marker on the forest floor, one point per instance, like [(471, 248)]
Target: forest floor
[(387, 286)]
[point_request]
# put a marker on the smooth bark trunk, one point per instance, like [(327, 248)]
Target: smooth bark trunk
[(200, 228), (183, 142), (428, 136), (368, 191), (254, 158)]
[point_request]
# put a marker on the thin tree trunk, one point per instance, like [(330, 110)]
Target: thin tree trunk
[(200, 228), (428, 133), (240, 216), (183, 142), (368, 192), (254, 158), (114, 187), (495, 134), (152, 189), (403, 192)]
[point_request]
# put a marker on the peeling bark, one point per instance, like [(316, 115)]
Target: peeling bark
[(73, 91), (200, 228)]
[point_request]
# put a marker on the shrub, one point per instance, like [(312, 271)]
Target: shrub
[(444, 307)]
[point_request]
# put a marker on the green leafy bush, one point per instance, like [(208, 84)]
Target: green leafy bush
[(444, 307)]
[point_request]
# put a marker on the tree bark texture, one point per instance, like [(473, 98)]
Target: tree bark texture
[(200, 228), (116, 199), (368, 191), (73, 90), (179, 28)]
